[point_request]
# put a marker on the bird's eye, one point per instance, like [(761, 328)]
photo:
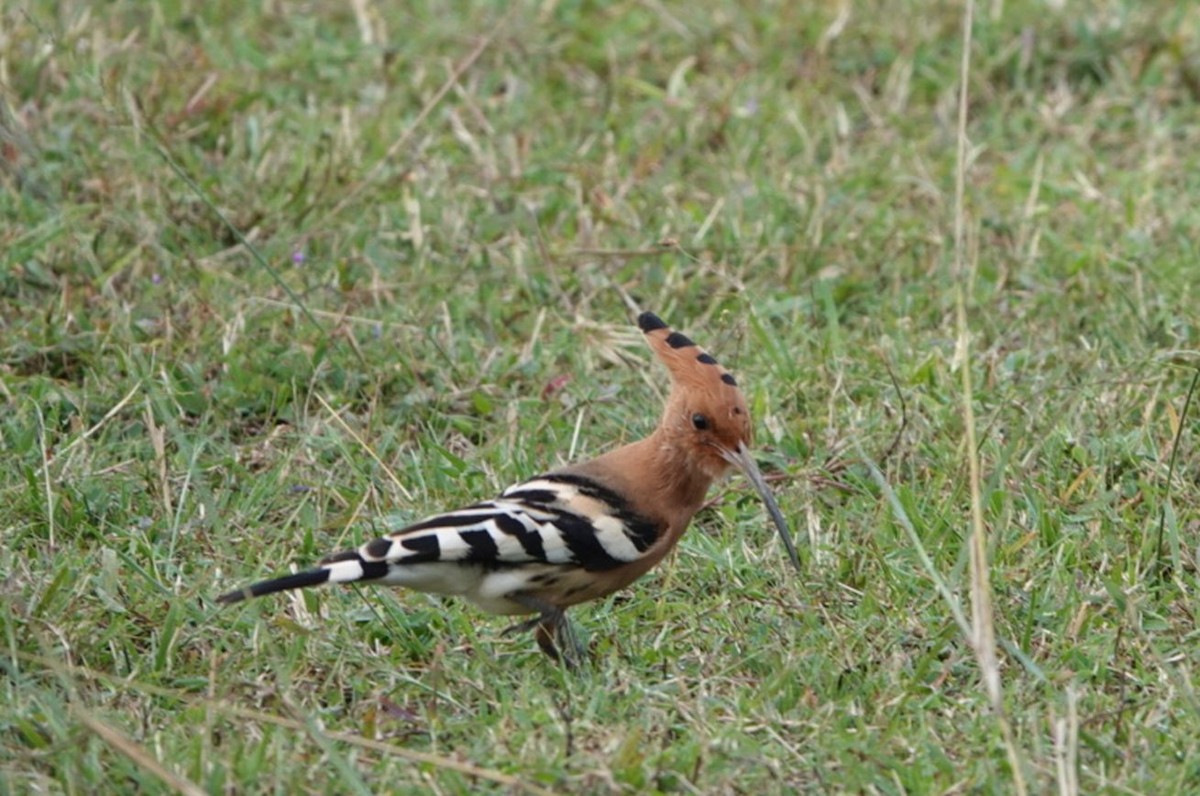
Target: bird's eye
[(699, 422)]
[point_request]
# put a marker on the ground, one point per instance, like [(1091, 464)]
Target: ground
[(275, 274)]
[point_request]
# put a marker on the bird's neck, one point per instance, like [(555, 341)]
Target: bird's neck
[(660, 477)]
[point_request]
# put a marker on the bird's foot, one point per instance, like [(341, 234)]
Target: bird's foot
[(554, 633)]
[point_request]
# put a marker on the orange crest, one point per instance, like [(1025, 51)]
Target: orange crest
[(705, 408)]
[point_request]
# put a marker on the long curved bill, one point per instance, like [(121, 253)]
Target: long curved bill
[(742, 459)]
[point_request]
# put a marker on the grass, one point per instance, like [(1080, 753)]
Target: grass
[(275, 275)]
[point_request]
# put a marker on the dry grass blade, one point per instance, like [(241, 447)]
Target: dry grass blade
[(983, 635), (46, 478), (1066, 747), (109, 415), (135, 752), (363, 443)]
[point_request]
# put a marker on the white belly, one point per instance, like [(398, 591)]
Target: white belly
[(488, 589)]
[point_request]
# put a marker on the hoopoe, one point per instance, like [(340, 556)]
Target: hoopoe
[(577, 533)]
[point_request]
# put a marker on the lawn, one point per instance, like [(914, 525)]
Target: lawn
[(278, 274)]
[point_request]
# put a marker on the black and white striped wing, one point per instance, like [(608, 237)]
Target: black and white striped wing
[(486, 551), (558, 518)]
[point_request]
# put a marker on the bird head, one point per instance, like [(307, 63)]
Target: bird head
[(706, 416)]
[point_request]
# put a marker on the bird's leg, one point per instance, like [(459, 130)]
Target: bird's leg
[(556, 637), (553, 631)]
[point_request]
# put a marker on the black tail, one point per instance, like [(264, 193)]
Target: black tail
[(310, 577), (346, 567)]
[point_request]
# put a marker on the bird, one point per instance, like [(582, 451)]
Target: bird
[(580, 532)]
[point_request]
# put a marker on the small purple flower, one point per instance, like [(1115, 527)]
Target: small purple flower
[(298, 257), (156, 278)]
